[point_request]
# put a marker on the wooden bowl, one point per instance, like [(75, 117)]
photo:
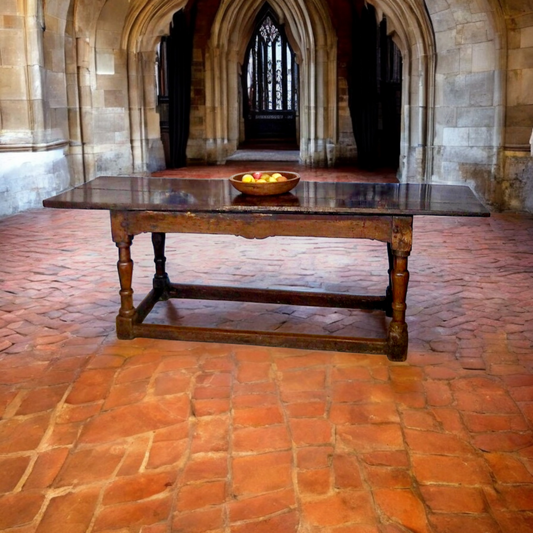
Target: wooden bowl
[(265, 189)]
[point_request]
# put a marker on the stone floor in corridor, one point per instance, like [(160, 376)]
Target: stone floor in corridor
[(148, 436)]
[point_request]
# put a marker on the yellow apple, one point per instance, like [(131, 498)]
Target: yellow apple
[(247, 178)]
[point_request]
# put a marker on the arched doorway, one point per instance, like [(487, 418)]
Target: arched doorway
[(390, 72), (375, 91), (269, 85), (312, 37), (174, 64)]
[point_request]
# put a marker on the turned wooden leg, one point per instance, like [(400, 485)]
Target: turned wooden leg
[(397, 339), (161, 280), (388, 293), (126, 314)]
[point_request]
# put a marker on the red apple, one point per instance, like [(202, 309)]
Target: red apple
[(257, 175)]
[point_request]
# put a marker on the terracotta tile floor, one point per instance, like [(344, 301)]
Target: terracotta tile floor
[(145, 436)]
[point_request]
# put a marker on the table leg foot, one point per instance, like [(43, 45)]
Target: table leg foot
[(124, 328), (397, 342)]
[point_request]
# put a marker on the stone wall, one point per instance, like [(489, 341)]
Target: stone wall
[(34, 124), (27, 178), (469, 97), (514, 182), (514, 190)]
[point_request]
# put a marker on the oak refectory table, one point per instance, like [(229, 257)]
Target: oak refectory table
[(382, 212)]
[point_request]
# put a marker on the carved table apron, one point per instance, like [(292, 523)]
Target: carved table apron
[(382, 212)]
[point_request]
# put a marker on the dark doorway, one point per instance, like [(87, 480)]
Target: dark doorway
[(375, 95), (269, 86), (389, 98), (174, 62)]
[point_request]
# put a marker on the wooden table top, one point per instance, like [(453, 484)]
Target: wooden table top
[(217, 195)]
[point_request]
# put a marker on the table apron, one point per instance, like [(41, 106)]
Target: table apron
[(396, 230)]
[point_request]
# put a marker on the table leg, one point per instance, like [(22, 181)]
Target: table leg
[(397, 338), (388, 293), (161, 281), (126, 314)]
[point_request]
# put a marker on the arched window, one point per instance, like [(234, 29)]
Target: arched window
[(270, 70), (270, 82)]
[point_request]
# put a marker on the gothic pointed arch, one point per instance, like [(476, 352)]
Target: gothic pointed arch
[(313, 39), (411, 30), (270, 86)]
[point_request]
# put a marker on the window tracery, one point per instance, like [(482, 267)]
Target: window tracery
[(270, 70)]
